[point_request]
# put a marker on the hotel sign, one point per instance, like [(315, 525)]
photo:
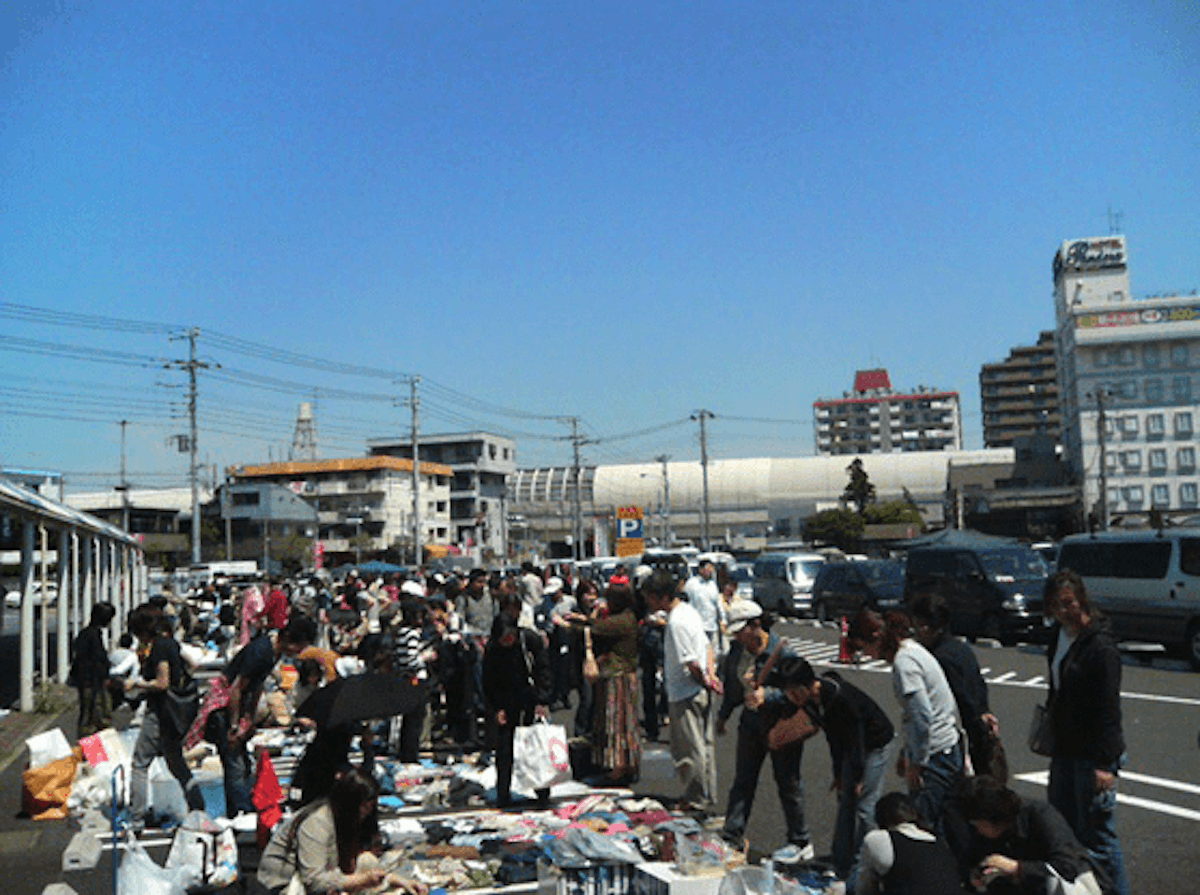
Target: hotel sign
[(1091, 254), (1139, 317)]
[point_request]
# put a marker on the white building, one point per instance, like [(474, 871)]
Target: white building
[(363, 504), (1135, 362)]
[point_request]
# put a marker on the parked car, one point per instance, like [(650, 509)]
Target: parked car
[(783, 582), (743, 574), (12, 599), (992, 591), (843, 588), (1146, 582)]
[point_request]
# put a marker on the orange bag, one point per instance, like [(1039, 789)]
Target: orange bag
[(45, 790)]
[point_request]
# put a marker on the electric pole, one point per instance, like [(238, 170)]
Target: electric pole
[(192, 365), (416, 472), (703, 416), (577, 441), (1101, 436), (666, 507), (124, 487)]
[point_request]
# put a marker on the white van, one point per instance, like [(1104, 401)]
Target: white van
[(783, 581), (1146, 582)]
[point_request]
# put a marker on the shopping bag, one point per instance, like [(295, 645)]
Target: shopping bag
[(205, 856), (45, 790), (139, 875), (540, 757)]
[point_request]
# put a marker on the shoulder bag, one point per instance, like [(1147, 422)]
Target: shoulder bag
[(591, 668), (1041, 731)]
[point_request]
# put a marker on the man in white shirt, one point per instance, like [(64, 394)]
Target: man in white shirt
[(690, 679), (702, 592)]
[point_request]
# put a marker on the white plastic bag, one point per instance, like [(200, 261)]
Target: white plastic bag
[(205, 856), (139, 875), (46, 748), (540, 757)]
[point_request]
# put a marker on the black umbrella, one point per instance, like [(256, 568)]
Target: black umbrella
[(361, 697)]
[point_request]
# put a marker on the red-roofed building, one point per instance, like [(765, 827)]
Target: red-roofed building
[(874, 418)]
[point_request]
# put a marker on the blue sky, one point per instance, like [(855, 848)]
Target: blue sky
[(621, 212)]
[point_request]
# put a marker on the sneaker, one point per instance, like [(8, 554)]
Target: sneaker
[(794, 854)]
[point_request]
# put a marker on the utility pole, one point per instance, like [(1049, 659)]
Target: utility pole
[(124, 487), (416, 471), (577, 441), (666, 507), (192, 365), (1101, 436), (703, 416)]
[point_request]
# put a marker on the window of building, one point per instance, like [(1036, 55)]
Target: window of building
[(245, 498), (1110, 461), (1154, 390), (1114, 496), (1155, 424), (491, 452), (1134, 494), (1160, 496), (441, 506), (1110, 427), (1127, 389), (1179, 354), (1157, 459), (1129, 425), (1185, 459), (1125, 355), (1181, 388), (1100, 357), (1150, 356), (1131, 460), (1187, 494)]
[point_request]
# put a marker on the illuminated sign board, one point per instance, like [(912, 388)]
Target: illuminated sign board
[(1091, 254)]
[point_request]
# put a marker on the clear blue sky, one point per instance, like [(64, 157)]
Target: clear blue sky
[(623, 212)]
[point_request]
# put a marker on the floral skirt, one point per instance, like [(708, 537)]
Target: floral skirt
[(617, 743)]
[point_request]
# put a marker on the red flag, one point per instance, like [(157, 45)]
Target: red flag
[(267, 797)]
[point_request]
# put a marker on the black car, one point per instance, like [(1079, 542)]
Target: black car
[(843, 588)]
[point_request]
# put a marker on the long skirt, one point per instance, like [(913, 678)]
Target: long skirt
[(617, 744)]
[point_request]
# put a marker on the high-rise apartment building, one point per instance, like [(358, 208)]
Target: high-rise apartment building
[(1128, 384), (876, 419), (1019, 396)]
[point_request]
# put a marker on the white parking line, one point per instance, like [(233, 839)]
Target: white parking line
[(1161, 781), (1042, 778), (1037, 682)]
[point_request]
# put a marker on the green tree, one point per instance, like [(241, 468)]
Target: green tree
[(892, 512), (841, 527), (859, 493)]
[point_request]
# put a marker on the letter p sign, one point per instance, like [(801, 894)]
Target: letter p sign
[(629, 528)]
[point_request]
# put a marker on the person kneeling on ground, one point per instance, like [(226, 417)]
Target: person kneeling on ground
[(327, 845), (903, 856), (1022, 845)]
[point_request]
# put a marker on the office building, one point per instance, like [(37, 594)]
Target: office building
[(1019, 396), (876, 419)]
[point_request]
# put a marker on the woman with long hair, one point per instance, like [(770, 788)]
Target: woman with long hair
[(327, 843), (616, 739), (1085, 715), (932, 756)]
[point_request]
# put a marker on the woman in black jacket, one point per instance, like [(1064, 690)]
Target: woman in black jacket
[(89, 672), (1085, 711), (516, 684), (1022, 845)]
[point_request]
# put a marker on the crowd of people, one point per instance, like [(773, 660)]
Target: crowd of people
[(632, 656)]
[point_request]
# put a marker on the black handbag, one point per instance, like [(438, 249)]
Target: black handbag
[(180, 705), (1041, 731)]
